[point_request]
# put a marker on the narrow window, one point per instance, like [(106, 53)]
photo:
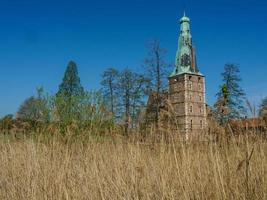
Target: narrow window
[(191, 124), (201, 124), (199, 86), (200, 97), (191, 109), (190, 85), (190, 96)]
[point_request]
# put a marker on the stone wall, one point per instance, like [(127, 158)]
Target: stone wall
[(187, 97)]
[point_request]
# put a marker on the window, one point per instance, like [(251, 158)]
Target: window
[(190, 96), (191, 124), (200, 97), (199, 86), (201, 124), (190, 109), (190, 85), (200, 110)]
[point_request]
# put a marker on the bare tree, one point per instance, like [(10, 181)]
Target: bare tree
[(139, 89), (109, 87), (131, 87), (156, 68)]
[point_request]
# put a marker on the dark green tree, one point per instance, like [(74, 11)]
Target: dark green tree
[(71, 85), (70, 95), (230, 102)]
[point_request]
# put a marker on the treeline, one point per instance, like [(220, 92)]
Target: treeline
[(231, 99), (122, 98), (119, 102)]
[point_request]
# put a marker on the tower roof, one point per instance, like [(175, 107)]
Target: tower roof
[(184, 19), (186, 56)]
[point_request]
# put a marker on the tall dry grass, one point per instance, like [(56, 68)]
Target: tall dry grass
[(229, 168)]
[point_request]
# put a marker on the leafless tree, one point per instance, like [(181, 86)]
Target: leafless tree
[(131, 87), (109, 87), (156, 68)]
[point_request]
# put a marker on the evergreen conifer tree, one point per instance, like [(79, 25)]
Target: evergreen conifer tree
[(231, 97), (70, 95), (71, 85)]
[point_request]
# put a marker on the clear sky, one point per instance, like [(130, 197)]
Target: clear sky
[(39, 37)]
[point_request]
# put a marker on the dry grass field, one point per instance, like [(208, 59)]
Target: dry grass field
[(232, 168)]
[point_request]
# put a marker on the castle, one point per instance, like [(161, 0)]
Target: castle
[(186, 93), (187, 85)]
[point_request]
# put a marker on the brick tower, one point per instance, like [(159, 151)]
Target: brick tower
[(187, 86)]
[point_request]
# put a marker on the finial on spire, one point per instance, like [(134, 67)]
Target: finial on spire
[(184, 18)]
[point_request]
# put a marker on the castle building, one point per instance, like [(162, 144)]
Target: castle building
[(186, 96), (187, 85)]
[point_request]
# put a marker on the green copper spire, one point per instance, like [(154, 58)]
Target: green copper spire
[(185, 61)]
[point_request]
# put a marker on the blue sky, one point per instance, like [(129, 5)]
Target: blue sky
[(38, 38)]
